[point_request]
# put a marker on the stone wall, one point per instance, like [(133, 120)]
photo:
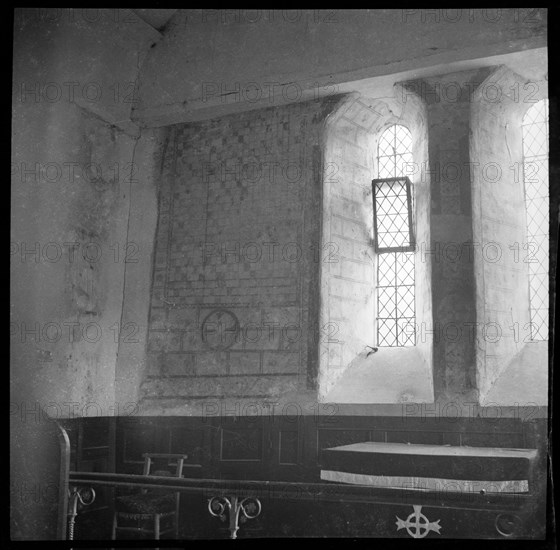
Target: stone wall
[(264, 274), (252, 209), (235, 283), (72, 179)]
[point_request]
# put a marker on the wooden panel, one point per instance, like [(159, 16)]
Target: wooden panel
[(190, 441), (288, 447), (137, 440), (335, 438), (272, 448), (241, 444)]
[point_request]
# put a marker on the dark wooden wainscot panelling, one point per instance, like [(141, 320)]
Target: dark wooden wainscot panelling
[(290, 449)]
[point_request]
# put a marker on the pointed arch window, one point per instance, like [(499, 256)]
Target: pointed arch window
[(394, 240), (535, 178)]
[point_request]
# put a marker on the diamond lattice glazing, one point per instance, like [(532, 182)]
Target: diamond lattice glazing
[(535, 177), (395, 269)]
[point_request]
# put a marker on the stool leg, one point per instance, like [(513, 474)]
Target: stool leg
[(114, 529), (176, 516), (156, 528)]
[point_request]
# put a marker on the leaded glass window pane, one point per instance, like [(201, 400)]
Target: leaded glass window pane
[(394, 240), (535, 177)]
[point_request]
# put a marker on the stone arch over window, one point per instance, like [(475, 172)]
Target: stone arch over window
[(511, 365), (350, 371)]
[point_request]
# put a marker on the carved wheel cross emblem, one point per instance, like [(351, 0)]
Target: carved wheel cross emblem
[(417, 524)]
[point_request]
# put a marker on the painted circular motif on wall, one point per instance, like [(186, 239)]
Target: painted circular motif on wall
[(220, 329)]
